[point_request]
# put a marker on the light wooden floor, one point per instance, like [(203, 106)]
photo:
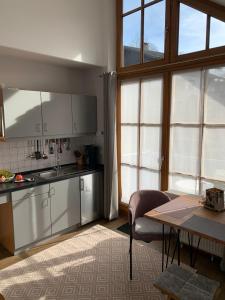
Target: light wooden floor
[(204, 264)]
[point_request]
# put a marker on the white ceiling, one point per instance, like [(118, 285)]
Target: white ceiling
[(222, 2)]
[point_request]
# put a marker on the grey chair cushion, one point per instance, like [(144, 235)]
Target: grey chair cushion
[(144, 225)]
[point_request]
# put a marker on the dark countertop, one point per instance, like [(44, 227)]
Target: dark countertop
[(76, 171)]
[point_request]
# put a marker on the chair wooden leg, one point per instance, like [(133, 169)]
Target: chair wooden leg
[(130, 251)]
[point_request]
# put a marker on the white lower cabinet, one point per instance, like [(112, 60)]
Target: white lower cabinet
[(44, 210), (65, 204), (31, 215)]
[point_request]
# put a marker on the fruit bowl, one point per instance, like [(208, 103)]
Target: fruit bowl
[(9, 179), (6, 176)]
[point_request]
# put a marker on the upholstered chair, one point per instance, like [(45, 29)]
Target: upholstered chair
[(141, 227)]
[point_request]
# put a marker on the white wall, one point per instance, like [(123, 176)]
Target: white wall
[(77, 30), (34, 75)]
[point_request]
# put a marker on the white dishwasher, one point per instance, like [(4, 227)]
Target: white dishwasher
[(91, 187)]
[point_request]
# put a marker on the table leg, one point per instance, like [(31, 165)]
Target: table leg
[(190, 243), (163, 248), (193, 254), (178, 247), (168, 250), (222, 264), (174, 251)]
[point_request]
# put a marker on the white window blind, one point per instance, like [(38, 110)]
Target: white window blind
[(197, 144), (141, 131)]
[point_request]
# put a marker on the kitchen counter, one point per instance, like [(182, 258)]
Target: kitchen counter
[(74, 171)]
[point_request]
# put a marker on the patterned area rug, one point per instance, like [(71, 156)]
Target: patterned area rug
[(91, 265)]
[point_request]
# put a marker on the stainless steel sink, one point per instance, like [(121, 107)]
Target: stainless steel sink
[(49, 174), (54, 173)]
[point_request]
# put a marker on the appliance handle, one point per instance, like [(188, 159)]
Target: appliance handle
[(81, 184)]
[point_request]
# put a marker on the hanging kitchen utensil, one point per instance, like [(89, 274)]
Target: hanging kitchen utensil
[(31, 150), (44, 156), (38, 153), (50, 147), (68, 147), (60, 146)]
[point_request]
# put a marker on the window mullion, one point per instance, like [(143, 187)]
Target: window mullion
[(165, 131), (139, 136), (202, 117), (208, 32), (142, 32)]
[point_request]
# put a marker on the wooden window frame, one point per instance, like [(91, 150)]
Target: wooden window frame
[(166, 77), (211, 9), (119, 51), (207, 58), (171, 35)]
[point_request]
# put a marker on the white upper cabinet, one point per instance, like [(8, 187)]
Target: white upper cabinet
[(56, 113), (35, 113), (22, 113), (84, 109)]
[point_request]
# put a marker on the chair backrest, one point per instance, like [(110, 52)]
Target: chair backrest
[(143, 201)]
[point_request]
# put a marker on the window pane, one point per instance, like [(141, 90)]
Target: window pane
[(215, 96), (213, 161), (192, 30), (129, 102), (129, 182), (130, 4), (151, 102), (184, 150), (183, 184), (217, 33), (150, 147), (132, 38), (129, 144), (149, 180), (186, 97), (154, 32)]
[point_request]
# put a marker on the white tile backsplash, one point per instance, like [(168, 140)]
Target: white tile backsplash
[(14, 154)]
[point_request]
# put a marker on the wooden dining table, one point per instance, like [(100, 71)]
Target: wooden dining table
[(187, 213)]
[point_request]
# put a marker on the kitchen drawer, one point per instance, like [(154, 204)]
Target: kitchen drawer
[(30, 192), (4, 198)]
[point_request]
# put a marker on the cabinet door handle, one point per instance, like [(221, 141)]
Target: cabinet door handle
[(44, 203), (45, 127), (82, 184), (52, 191), (75, 126)]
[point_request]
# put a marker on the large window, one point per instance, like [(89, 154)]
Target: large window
[(143, 31), (141, 130), (197, 145), (171, 126)]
